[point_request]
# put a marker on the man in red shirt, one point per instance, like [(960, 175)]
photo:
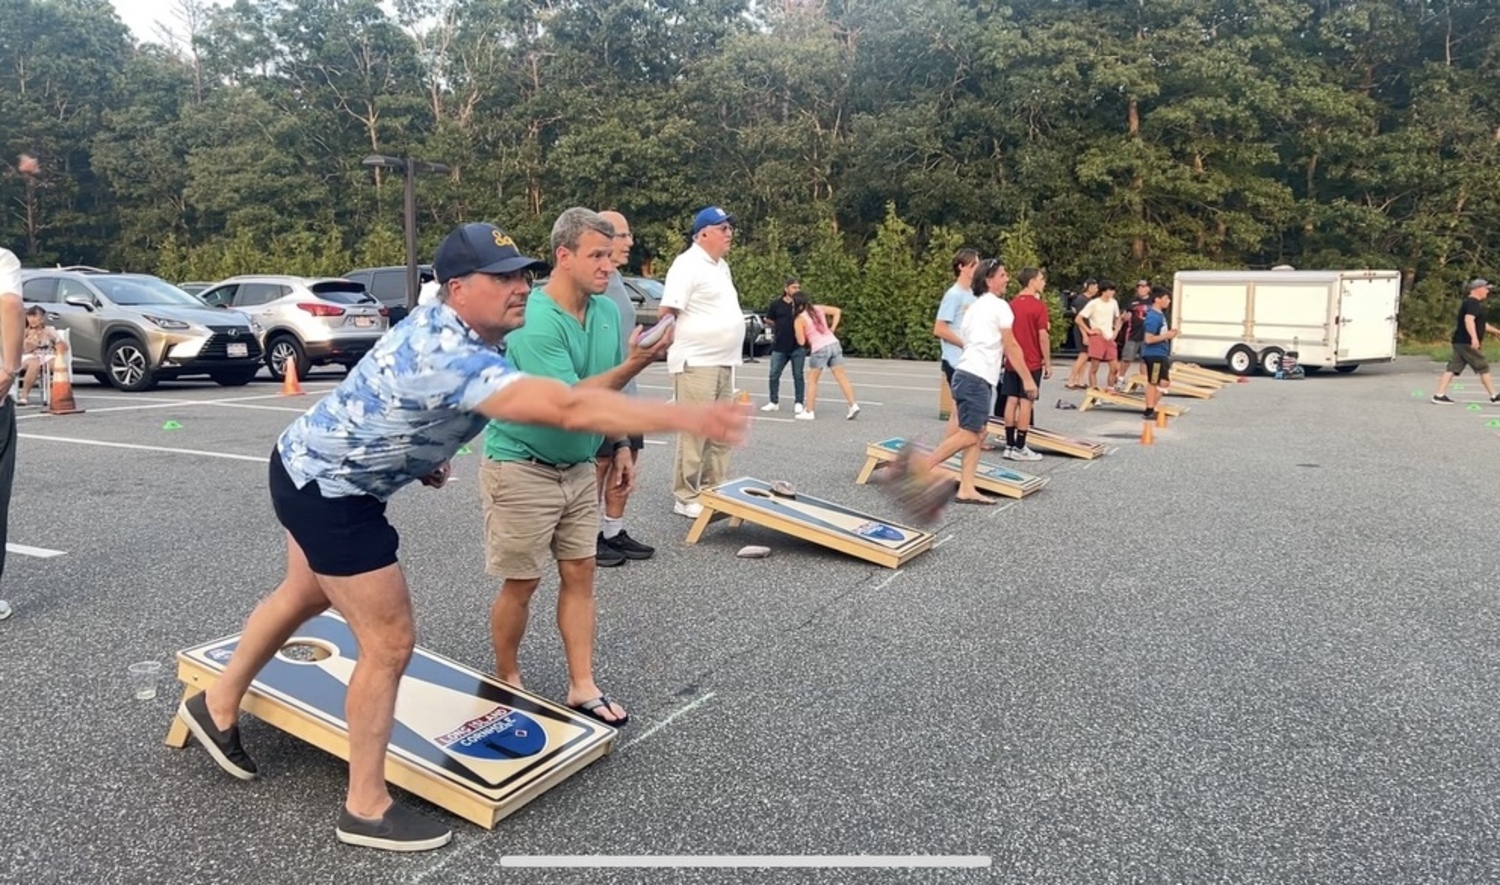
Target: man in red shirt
[(1031, 331)]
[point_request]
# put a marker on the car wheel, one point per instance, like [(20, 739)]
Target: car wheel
[(128, 365), (234, 377), (283, 348)]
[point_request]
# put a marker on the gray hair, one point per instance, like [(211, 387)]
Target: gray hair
[(571, 225)]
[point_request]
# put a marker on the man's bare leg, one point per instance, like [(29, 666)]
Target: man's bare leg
[(576, 620), (508, 616)]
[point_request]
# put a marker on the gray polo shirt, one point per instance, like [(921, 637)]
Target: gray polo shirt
[(617, 293)]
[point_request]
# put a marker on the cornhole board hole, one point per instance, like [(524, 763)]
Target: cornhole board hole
[(992, 478), (1046, 440), (462, 740), (1176, 388), (812, 519), (1213, 374), (1095, 396)]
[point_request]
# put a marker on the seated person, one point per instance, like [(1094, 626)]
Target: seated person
[(38, 344)]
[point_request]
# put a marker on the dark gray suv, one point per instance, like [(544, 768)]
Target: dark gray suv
[(133, 330)]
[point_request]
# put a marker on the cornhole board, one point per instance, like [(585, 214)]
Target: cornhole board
[(1224, 378), (1047, 440), (812, 519), (462, 740), (1176, 388), (1195, 379), (1095, 396), (988, 477)]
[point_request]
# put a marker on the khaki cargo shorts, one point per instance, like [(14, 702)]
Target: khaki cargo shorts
[(532, 508)]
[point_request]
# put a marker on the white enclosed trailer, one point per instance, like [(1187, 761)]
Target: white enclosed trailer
[(1248, 319)]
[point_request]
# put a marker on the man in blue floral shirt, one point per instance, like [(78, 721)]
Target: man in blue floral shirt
[(429, 386)]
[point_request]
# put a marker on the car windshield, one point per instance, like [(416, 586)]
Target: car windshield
[(343, 293), (652, 288), (134, 291)]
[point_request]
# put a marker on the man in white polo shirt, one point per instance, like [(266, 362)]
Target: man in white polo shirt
[(709, 335)]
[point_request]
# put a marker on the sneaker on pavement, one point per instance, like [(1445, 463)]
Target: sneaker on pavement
[(805, 416), (771, 407), (690, 509), (399, 829), (1024, 453), (853, 412), (1495, 398), (630, 547), (1009, 454), (798, 408), (1442, 399), (606, 555), (223, 746)]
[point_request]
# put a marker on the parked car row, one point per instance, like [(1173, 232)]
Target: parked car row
[(133, 330)]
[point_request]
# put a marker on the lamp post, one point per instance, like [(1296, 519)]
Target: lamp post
[(410, 166)]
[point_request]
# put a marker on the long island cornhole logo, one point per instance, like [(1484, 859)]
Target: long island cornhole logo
[(463, 740)]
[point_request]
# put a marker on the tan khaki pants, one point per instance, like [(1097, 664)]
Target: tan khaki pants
[(700, 463)]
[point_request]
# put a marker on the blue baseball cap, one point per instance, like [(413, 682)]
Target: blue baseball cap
[(709, 217), (480, 248)]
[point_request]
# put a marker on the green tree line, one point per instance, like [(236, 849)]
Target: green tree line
[(858, 141)]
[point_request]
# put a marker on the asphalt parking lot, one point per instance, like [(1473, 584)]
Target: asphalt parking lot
[(1262, 649)]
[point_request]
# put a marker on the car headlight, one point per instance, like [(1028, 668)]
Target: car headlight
[(167, 323)]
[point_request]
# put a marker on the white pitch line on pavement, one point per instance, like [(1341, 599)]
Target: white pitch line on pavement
[(117, 445), (887, 582), (38, 552), (747, 861), (673, 717)]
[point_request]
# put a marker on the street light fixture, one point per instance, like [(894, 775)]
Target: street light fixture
[(410, 166)]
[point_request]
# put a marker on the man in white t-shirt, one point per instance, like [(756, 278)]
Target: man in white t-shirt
[(12, 330), (1099, 322), (987, 336), (707, 342)]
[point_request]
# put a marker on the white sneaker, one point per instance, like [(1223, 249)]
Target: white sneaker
[(804, 415), (1009, 454), (690, 509), (1025, 454), (798, 408), (771, 407), (853, 412)]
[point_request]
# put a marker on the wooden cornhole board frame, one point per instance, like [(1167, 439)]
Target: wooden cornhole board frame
[(462, 740), (1094, 396), (833, 530), (994, 478), (1047, 440), (1224, 378), (1176, 388)]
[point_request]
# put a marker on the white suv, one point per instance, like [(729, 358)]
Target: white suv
[(313, 321)]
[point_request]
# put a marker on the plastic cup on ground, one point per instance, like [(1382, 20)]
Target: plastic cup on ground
[(143, 679)]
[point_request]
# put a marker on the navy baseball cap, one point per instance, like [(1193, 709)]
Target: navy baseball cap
[(480, 248), (709, 217)]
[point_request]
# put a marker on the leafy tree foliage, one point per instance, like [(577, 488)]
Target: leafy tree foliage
[(859, 142)]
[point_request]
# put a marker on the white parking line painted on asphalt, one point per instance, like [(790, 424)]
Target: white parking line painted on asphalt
[(261, 459), (38, 552)]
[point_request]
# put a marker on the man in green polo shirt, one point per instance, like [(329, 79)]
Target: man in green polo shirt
[(538, 484)]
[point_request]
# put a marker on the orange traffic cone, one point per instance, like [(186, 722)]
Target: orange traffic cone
[(1147, 438), (1161, 419), (62, 388), (744, 398), (289, 384)]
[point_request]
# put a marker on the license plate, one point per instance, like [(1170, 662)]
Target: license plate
[(364, 321), (239, 350)]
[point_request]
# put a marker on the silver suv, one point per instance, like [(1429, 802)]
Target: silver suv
[(314, 321), (133, 330)]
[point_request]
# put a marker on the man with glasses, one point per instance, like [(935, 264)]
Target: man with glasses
[(708, 339), (618, 458), (429, 386)]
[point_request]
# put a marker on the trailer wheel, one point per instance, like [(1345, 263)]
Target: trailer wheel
[(1241, 359), (1346, 368), (1270, 360)]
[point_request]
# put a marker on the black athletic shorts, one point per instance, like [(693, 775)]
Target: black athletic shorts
[(607, 448), (341, 536), (1011, 385), (1158, 369)]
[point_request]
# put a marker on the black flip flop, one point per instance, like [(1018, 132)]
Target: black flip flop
[(982, 501), (591, 710)]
